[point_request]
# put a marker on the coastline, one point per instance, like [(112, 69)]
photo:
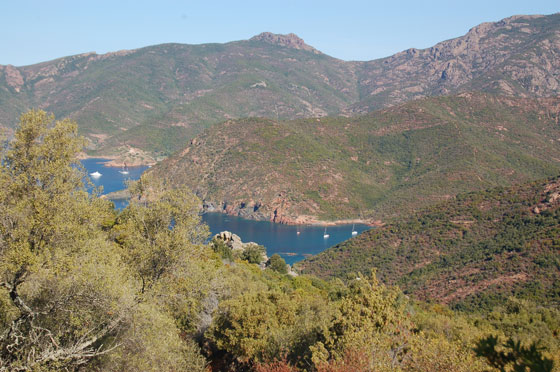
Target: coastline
[(298, 221), (305, 220), (116, 161)]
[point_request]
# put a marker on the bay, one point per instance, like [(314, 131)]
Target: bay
[(281, 239), (111, 178)]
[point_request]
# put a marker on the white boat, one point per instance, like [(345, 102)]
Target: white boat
[(298, 232), (95, 174), (325, 235), (124, 170), (354, 232)]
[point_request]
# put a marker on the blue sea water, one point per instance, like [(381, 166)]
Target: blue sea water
[(111, 179), (281, 239)]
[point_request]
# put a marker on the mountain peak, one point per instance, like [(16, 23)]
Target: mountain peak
[(285, 40)]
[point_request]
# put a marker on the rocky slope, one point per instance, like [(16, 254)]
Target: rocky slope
[(516, 56), (471, 252), (383, 164), (148, 102)]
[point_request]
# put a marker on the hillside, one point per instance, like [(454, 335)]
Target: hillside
[(146, 103), (154, 98), (517, 56), (471, 252), (383, 164)]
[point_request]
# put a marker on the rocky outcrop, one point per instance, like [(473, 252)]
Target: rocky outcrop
[(231, 240), (516, 56), (551, 198), (13, 77), (234, 242), (288, 41)]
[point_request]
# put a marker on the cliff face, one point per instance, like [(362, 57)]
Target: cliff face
[(155, 99), (516, 56), (383, 164)]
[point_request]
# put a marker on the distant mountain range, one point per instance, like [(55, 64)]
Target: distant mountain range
[(471, 252), (387, 163), (150, 102)]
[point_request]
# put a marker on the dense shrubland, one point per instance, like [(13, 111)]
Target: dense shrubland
[(88, 288)]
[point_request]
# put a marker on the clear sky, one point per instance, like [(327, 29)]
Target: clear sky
[(36, 31)]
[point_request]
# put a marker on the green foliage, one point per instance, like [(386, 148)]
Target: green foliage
[(277, 263), (222, 249), (160, 230), (64, 285), (253, 253), (70, 296), (485, 246), (385, 164), (514, 357)]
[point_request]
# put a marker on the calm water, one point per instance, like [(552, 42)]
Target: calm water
[(111, 179), (281, 239)]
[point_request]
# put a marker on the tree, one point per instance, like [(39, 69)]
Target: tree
[(160, 230), (513, 356), (277, 263), (79, 286), (253, 253), (64, 288)]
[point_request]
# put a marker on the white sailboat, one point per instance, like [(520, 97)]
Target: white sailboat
[(95, 174), (354, 232), (124, 170), (325, 235)]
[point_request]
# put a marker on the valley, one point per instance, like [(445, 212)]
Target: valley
[(260, 206)]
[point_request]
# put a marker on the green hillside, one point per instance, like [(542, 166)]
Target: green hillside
[(86, 287), (471, 252), (383, 164)]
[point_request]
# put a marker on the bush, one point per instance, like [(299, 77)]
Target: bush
[(253, 253), (221, 248), (277, 264)]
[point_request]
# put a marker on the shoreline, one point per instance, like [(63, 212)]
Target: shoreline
[(115, 161), (298, 221), (306, 221)]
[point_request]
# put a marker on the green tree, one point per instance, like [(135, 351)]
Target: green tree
[(65, 293), (160, 231), (513, 356), (277, 263), (79, 286), (253, 253)]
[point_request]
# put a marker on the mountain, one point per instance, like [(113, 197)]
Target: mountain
[(155, 98), (471, 252), (148, 102), (517, 56), (375, 166)]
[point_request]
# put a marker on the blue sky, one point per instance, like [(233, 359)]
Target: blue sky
[(35, 31)]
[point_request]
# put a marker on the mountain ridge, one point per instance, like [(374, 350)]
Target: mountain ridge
[(372, 167), (150, 101)]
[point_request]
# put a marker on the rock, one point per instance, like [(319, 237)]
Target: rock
[(289, 41), (13, 78), (208, 206), (232, 240)]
